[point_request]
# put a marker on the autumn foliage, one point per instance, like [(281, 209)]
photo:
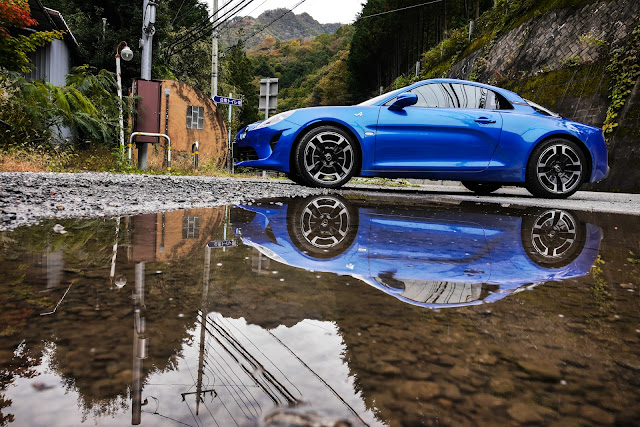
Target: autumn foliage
[(15, 13)]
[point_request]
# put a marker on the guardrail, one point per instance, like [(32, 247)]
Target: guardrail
[(161, 135)]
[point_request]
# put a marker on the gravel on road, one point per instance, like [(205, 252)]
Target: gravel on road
[(27, 198)]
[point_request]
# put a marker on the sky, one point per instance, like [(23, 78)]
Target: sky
[(323, 11)]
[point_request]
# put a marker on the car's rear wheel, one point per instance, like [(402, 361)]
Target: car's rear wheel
[(481, 188), (552, 238), (556, 169), (326, 157)]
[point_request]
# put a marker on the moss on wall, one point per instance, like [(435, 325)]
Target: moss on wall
[(562, 89)]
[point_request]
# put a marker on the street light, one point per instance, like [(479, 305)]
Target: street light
[(127, 55)]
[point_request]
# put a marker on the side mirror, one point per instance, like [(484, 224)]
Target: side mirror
[(404, 100)]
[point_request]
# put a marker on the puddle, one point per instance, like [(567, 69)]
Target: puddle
[(320, 310)]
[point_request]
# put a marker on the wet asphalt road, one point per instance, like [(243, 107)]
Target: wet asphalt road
[(592, 201), (27, 198)]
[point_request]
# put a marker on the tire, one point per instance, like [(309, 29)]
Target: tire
[(552, 238), (481, 188), (326, 157), (556, 169), (322, 227), (295, 178)]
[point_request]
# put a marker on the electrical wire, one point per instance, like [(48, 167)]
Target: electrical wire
[(335, 393), (197, 28), (402, 8), (231, 26), (266, 357), (178, 13), (269, 24), (206, 26)]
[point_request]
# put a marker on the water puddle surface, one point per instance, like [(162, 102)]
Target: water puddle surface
[(326, 310)]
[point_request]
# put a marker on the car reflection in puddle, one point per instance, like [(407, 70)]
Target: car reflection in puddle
[(434, 257)]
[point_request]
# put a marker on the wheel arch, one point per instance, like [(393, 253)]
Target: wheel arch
[(569, 137), (321, 123)]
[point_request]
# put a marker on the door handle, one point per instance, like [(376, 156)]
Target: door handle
[(484, 120)]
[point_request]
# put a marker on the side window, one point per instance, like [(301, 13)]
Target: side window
[(466, 96), (429, 95), (450, 95), (456, 95), (190, 227)]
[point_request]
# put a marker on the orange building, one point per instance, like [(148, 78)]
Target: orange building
[(172, 236), (187, 116)]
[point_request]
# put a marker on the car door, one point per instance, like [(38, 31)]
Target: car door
[(452, 127), (439, 247)]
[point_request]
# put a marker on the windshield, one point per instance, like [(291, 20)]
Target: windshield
[(378, 98), (541, 109)]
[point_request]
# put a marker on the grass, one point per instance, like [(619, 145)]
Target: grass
[(100, 159), (94, 159), (384, 182)]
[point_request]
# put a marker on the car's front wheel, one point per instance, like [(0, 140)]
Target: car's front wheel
[(326, 157), (556, 169), (293, 176)]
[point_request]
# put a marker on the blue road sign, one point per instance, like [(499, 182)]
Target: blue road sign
[(227, 100)]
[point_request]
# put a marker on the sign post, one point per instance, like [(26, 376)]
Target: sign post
[(268, 96), (230, 102)]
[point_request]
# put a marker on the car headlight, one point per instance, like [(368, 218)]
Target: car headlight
[(275, 119)]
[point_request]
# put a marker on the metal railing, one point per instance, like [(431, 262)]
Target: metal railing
[(162, 135)]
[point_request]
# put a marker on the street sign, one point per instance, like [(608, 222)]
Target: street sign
[(221, 243), (227, 100)]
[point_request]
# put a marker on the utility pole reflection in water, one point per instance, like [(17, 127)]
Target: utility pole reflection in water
[(203, 320), (139, 344)]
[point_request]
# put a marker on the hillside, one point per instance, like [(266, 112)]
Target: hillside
[(288, 27), (310, 72)]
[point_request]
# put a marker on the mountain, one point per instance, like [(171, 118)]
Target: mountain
[(279, 25)]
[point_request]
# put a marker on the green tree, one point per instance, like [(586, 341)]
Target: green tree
[(391, 35), (239, 74), (311, 72), (36, 111), (174, 18)]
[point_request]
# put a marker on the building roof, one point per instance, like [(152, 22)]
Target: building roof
[(50, 20)]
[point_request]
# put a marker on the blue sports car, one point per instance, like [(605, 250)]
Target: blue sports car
[(432, 256), (481, 135)]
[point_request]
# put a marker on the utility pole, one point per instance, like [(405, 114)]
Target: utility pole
[(146, 42), (214, 53)]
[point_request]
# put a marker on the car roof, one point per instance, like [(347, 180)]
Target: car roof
[(509, 95)]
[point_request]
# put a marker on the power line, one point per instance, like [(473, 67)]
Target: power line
[(269, 24), (199, 27), (178, 13), (402, 8), (206, 26), (231, 26)]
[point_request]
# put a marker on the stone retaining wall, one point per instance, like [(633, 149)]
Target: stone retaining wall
[(559, 60)]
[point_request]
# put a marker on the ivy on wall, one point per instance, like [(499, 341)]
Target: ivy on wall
[(624, 69)]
